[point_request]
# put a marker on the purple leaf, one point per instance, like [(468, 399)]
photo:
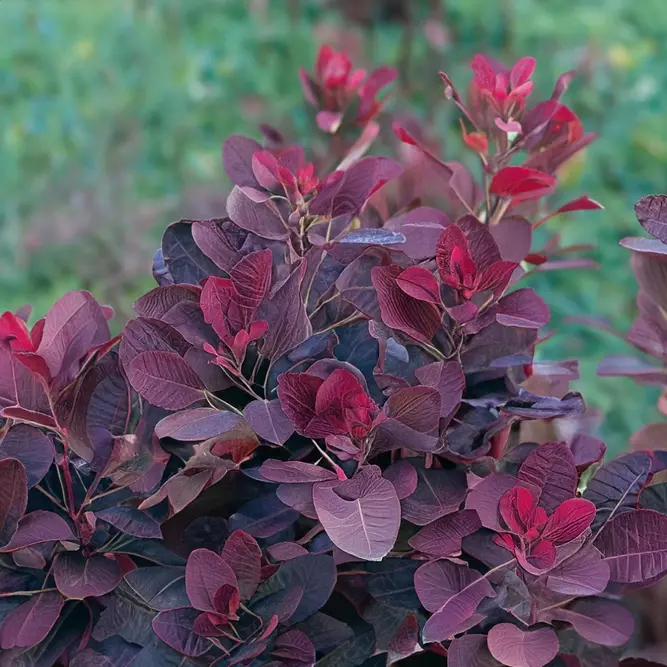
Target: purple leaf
[(165, 380), (294, 472), (517, 648), (78, 577), (372, 236), (159, 301), (418, 319), (644, 245), (175, 627), (584, 573), (299, 497), (13, 497), (551, 470), (131, 521), (196, 424), (205, 573), (285, 313), (470, 651), (237, 152), (261, 218), (243, 555), (403, 476), (514, 236), (220, 240), (144, 335), (32, 448), (263, 517), (634, 545), (651, 211), (38, 527), (294, 647), (419, 283), (160, 588), (451, 592), (73, 325), (362, 515), (391, 434), (523, 308), (269, 421), (616, 485), (599, 621), (313, 576), (416, 407), (439, 492), (184, 260), (443, 536), (447, 377), (29, 623), (421, 227), (485, 497)]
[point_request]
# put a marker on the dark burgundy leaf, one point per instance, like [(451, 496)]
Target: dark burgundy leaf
[(32, 448), (415, 407), (418, 319), (515, 647), (634, 545), (314, 576), (362, 515), (439, 492), (144, 335), (13, 497), (285, 313), (29, 623), (522, 308), (197, 424), (262, 218), (78, 577), (243, 555), (419, 283), (391, 582), (73, 325), (38, 527), (550, 468), (131, 521), (220, 240), (175, 627), (160, 588), (184, 260), (616, 485), (269, 421), (165, 380), (443, 536), (447, 377), (451, 592), (263, 517), (205, 573), (237, 152), (294, 646), (651, 211), (403, 476)]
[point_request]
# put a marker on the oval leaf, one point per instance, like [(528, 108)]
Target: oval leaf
[(362, 515), (516, 648), (78, 577), (29, 623), (175, 627), (13, 497)]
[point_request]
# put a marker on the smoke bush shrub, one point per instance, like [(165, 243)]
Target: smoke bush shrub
[(313, 443)]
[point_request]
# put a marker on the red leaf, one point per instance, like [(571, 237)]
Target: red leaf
[(521, 183), (419, 283), (551, 469), (583, 203), (519, 510), (570, 520)]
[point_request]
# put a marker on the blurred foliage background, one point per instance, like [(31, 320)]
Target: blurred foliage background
[(113, 112)]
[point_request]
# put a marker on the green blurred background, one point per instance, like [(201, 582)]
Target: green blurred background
[(113, 112)]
